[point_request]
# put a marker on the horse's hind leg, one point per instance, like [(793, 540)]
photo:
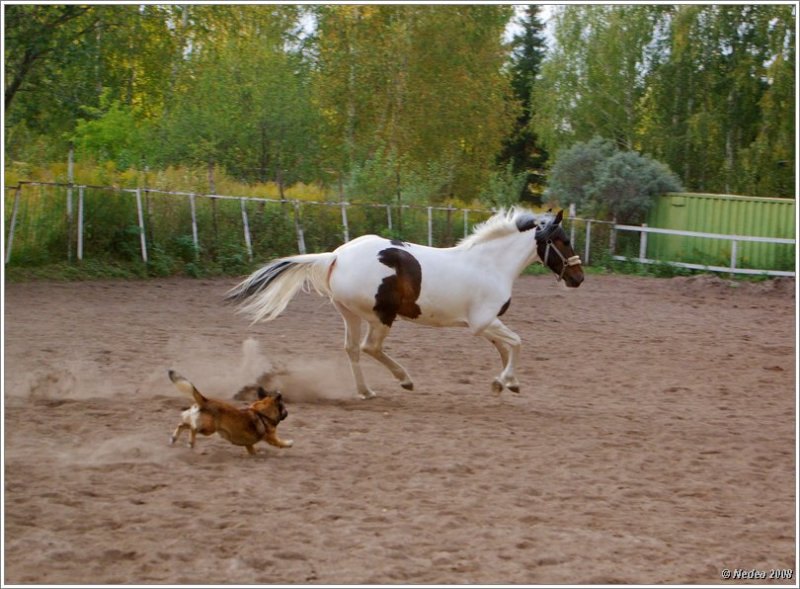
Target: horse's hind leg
[(352, 335), (373, 345), (508, 344)]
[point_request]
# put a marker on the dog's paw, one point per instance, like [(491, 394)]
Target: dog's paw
[(172, 440), (288, 443)]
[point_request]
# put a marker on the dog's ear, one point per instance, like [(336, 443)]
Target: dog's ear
[(262, 394)]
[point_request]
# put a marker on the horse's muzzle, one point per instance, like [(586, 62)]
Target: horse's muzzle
[(572, 272), (573, 281)]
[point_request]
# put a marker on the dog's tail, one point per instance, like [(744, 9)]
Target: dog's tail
[(265, 294), (187, 388)]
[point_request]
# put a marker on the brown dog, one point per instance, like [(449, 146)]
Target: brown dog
[(242, 427)]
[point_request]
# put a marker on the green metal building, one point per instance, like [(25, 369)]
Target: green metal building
[(723, 214)]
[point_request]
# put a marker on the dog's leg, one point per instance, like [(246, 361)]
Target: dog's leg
[(271, 437), (250, 450), (193, 437), (174, 437)]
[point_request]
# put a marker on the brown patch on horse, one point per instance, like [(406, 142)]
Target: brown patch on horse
[(397, 294), (504, 308)]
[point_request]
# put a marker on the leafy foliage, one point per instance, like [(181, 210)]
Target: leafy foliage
[(114, 134), (522, 147), (707, 89), (423, 82), (608, 182), (504, 187), (575, 169), (627, 183), (409, 102)]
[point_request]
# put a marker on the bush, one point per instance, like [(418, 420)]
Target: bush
[(627, 183), (504, 187), (114, 133), (575, 169), (384, 176), (603, 181)]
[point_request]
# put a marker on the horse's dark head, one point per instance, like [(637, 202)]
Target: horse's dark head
[(555, 250)]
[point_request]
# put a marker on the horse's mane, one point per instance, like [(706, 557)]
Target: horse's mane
[(502, 223)]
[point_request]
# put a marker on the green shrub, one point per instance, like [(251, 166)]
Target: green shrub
[(607, 183)]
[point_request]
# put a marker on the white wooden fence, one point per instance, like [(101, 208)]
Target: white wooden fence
[(643, 230), (191, 197)]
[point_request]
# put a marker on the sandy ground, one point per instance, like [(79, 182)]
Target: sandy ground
[(653, 440)]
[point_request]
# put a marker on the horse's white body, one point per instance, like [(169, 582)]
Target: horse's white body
[(461, 286), (466, 285)]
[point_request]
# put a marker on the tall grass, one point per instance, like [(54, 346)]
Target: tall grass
[(46, 237)]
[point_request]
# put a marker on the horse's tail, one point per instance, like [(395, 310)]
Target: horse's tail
[(266, 292)]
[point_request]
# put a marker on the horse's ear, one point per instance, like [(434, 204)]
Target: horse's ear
[(526, 222), (559, 217)]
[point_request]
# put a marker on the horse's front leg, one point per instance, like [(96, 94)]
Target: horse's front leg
[(508, 345)]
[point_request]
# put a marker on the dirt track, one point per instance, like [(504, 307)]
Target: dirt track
[(653, 440)]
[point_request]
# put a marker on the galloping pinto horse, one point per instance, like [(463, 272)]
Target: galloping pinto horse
[(375, 279)]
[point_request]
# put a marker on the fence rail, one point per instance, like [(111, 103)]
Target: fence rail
[(644, 230), (192, 197), (595, 235)]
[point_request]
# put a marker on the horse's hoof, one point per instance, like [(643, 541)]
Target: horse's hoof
[(514, 388), (409, 386), (497, 386), (367, 395)]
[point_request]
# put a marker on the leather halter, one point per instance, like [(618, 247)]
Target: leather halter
[(566, 262), (547, 233)]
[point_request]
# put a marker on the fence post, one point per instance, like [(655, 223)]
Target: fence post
[(733, 254), (70, 180), (148, 213), (643, 244), (466, 221), (246, 225), (194, 227), (345, 226), (612, 237), (301, 241), (389, 216), (80, 223), (588, 242), (430, 226), (448, 235), (13, 222), (140, 213), (572, 223)]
